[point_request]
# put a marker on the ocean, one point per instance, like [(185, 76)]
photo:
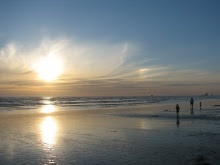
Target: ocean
[(73, 103)]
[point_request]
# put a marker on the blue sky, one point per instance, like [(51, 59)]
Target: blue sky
[(169, 36)]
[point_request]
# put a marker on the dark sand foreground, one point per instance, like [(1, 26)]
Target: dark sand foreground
[(130, 135)]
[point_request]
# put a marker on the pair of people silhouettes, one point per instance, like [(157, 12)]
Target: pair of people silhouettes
[(191, 106)]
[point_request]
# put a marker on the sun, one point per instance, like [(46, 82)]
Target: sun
[(49, 68)]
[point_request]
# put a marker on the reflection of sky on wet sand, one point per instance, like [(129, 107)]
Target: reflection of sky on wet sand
[(48, 130), (144, 124)]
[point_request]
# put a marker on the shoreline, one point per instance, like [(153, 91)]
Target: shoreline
[(162, 106), (126, 135)]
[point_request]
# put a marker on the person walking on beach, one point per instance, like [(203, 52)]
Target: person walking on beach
[(191, 103), (200, 105), (177, 109)]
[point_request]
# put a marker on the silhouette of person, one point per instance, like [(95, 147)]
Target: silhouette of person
[(177, 109), (200, 105), (191, 103)]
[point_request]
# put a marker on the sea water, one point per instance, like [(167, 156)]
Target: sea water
[(85, 103)]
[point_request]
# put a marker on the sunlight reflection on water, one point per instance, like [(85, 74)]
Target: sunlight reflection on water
[(48, 130), (48, 108)]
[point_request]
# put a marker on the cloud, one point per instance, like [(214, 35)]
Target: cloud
[(8, 57), (95, 68), (81, 60)]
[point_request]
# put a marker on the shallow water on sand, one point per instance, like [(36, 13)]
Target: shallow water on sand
[(114, 137)]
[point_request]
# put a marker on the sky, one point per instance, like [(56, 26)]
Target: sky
[(109, 47)]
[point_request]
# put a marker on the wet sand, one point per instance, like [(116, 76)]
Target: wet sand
[(130, 135)]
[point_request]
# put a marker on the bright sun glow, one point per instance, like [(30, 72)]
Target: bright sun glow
[(48, 106), (48, 109), (49, 68)]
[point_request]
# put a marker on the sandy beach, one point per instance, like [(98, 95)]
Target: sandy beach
[(129, 135), (109, 82)]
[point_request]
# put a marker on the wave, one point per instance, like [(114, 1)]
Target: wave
[(94, 101)]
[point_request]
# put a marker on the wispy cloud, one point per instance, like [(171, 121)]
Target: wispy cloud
[(86, 59), (96, 68)]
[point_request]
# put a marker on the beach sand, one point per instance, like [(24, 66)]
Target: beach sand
[(130, 135)]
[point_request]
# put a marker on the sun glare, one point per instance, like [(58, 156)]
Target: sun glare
[(48, 109), (49, 68), (48, 130)]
